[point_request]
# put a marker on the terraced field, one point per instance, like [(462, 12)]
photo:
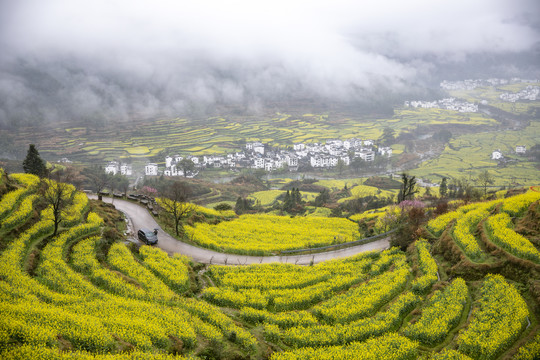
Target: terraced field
[(263, 234), (471, 154), (69, 302), (492, 94), (218, 135)]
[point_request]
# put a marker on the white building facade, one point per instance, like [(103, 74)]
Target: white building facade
[(151, 169)]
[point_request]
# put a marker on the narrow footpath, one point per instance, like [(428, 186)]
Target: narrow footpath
[(139, 217)]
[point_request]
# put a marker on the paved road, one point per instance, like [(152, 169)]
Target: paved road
[(139, 217)]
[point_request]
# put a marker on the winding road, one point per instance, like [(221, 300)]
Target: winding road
[(139, 217)]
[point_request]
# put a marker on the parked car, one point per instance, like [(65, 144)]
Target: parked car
[(148, 237)]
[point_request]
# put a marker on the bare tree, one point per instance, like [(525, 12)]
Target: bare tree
[(175, 203), (98, 178), (408, 188), (57, 194)]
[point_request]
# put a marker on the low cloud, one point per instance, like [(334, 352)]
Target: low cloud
[(114, 60)]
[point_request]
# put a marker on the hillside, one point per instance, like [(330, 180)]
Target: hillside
[(469, 289)]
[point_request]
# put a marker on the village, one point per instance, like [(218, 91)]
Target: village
[(471, 84), (448, 104), (256, 155), (529, 93), (333, 153)]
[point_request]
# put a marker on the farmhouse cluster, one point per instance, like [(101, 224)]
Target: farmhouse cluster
[(448, 104), (529, 93), (257, 155), (471, 84), (114, 168), (498, 155)]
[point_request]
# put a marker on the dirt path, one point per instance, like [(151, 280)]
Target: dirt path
[(139, 217)]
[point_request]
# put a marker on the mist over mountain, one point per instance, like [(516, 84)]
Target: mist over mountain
[(104, 61)]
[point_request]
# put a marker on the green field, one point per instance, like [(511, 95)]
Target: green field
[(476, 136), (218, 135), (491, 94), (469, 154)]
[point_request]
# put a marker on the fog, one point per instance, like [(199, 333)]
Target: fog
[(115, 60)]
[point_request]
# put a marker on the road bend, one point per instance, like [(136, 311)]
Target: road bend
[(139, 217)]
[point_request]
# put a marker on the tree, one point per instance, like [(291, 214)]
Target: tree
[(186, 165), (175, 203), (357, 163), (340, 166), (409, 228), (297, 196), (443, 189), (123, 183), (222, 207), (336, 212), (322, 198), (485, 179), (118, 181), (443, 136), (292, 201), (57, 194), (388, 136), (288, 201), (98, 178), (242, 205), (33, 164), (408, 188)]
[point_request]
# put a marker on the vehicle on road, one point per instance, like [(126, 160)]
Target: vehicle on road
[(148, 237)]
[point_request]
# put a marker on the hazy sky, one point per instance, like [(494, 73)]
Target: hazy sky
[(71, 59)]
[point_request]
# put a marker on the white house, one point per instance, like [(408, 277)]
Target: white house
[(332, 161), (258, 163), (258, 148), (323, 161), (299, 147), (316, 161), (385, 150), (112, 168), (496, 155), (368, 142), (333, 150), (126, 169), (151, 169), (346, 160), (268, 165), (365, 155), (335, 142), (521, 149), (292, 161), (168, 161)]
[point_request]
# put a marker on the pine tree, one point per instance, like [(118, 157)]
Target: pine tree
[(239, 207), (443, 189), (288, 201), (33, 164), (298, 196)]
